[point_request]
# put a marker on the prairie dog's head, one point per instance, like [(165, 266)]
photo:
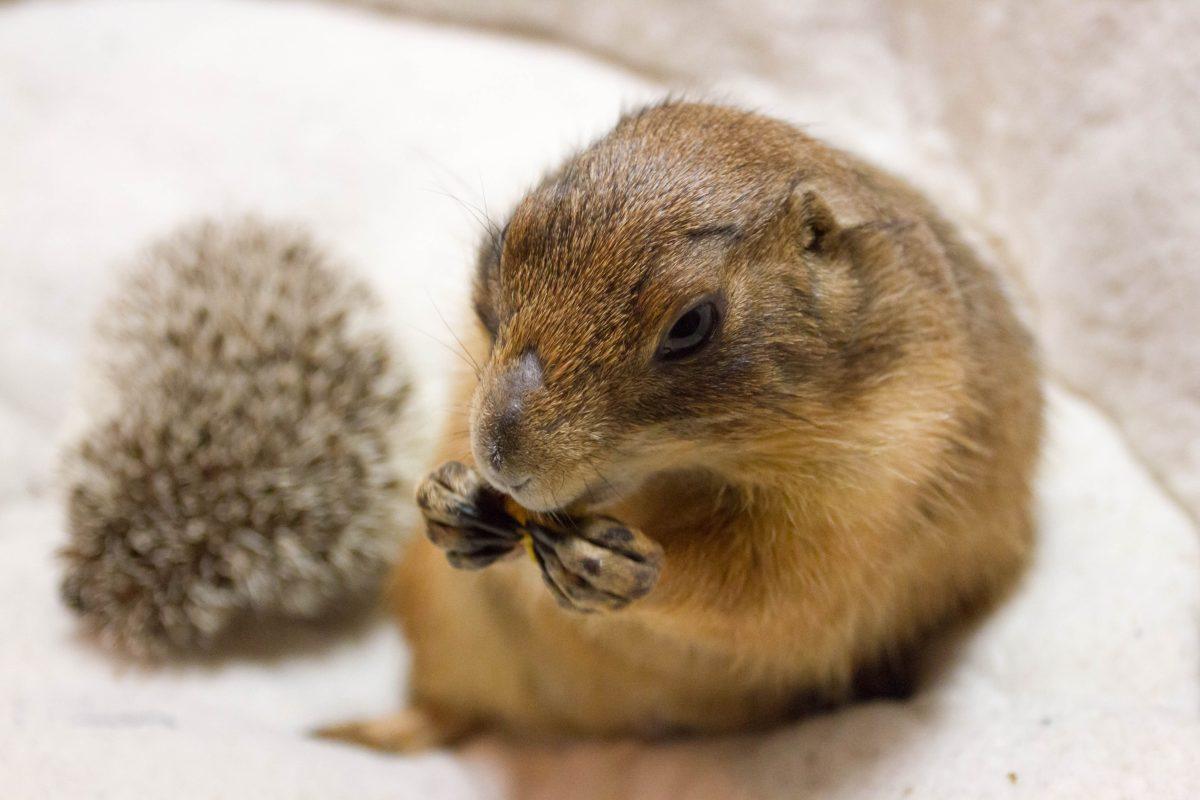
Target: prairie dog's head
[(672, 296)]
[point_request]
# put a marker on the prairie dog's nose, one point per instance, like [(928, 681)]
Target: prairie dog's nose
[(502, 432)]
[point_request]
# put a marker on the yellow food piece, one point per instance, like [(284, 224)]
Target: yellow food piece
[(516, 511), (522, 517)]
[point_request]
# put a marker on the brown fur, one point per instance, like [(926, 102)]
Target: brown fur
[(843, 471)]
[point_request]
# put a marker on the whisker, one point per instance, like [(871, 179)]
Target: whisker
[(557, 514), (470, 362), (478, 215), (494, 230), (466, 352), (592, 463)]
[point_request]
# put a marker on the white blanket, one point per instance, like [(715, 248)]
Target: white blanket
[(119, 120)]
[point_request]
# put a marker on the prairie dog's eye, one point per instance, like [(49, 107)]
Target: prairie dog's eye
[(690, 331)]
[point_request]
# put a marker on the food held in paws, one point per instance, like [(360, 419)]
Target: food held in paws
[(589, 563)]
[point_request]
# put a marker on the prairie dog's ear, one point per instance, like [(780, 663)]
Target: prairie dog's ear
[(811, 221)]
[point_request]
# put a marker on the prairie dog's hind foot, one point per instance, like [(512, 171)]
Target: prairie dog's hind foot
[(408, 731)]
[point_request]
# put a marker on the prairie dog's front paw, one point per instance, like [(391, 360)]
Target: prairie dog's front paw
[(466, 517), (590, 563), (602, 565)]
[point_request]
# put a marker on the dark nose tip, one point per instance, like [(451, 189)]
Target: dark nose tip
[(505, 435), (505, 432)]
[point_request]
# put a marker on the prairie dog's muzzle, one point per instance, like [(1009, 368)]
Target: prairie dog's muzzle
[(499, 433)]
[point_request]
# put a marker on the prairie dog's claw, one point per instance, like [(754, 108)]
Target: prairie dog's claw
[(466, 517), (452, 494)]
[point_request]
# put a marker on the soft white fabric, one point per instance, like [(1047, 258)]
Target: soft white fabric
[(119, 120)]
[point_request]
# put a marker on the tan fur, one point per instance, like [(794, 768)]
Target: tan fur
[(845, 473)]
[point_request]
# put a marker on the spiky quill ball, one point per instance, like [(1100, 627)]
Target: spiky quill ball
[(247, 460)]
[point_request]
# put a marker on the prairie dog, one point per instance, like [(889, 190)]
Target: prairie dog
[(787, 377)]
